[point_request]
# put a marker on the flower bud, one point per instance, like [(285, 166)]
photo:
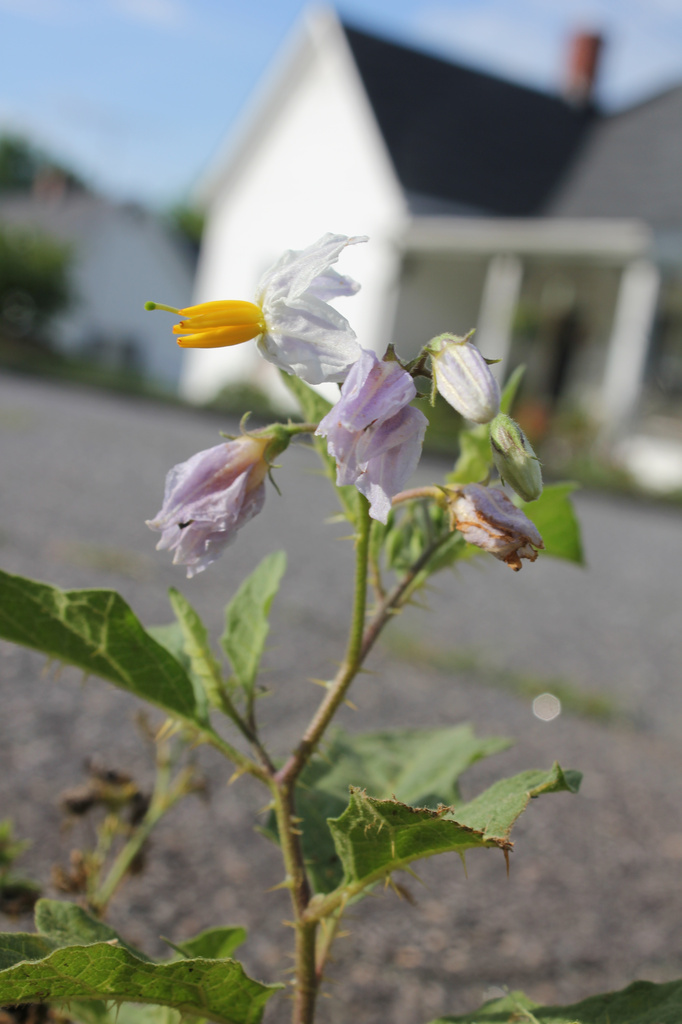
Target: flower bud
[(463, 378), (516, 462)]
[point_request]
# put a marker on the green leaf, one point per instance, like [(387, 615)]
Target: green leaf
[(420, 767), (214, 943), (315, 408), (218, 990), (66, 924), (643, 1002), (96, 631), (17, 946), (172, 638), (76, 957), (204, 666), (495, 810), (510, 389), (473, 464), (376, 837), (555, 518), (246, 619)]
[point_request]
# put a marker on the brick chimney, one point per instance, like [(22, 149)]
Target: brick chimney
[(583, 67)]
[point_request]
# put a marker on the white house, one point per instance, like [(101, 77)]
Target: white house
[(553, 229), (122, 255)]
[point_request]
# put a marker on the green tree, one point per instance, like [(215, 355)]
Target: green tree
[(34, 281), (21, 163)]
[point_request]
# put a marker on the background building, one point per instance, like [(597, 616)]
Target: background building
[(552, 228)]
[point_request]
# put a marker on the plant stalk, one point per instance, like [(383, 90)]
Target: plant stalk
[(351, 663)]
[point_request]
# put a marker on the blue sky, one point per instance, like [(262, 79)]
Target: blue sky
[(139, 94)]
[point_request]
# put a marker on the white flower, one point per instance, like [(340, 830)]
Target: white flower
[(295, 327)]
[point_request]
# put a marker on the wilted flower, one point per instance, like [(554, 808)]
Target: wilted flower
[(516, 462), (294, 324), (209, 497), (463, 378), (373, 432), (488, 519)]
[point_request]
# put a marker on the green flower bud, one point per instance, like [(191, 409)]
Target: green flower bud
[(515, 459)]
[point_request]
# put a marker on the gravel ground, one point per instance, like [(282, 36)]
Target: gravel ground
[(594, 895)]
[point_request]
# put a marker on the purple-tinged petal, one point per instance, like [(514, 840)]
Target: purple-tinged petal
[(296, 270), (208, 498), (488, 519), (398, 453), (332, 285), (373, 433)]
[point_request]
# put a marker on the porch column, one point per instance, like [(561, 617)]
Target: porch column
[(629, 342), (498, 305)]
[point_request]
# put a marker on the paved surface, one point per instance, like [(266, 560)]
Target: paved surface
[(594, 896)]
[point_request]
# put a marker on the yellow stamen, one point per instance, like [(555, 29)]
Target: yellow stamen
[(217, 337), (225, 313)]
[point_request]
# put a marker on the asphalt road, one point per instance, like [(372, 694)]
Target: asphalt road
[(594, 896)]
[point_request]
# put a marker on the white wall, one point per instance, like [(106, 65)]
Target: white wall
[(126, 258), (314, 163)]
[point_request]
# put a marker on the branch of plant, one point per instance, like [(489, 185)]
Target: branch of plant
[(299, 887), (350, 666), (167, 792)]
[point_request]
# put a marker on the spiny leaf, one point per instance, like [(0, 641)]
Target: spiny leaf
[(420, 767), (643, 1002), (217, 990), (495, 811), (375, 837), (96, 631)]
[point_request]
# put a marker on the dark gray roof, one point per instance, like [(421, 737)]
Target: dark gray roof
[(467, 138), (630, 167)]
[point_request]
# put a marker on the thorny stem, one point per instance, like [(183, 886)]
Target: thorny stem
[(283, 785), (397, 597), (244, 764), (330, 928), (350, 665), (297, 883)]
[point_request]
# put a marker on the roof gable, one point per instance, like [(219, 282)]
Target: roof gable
[(465, 137), (631, 166)]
